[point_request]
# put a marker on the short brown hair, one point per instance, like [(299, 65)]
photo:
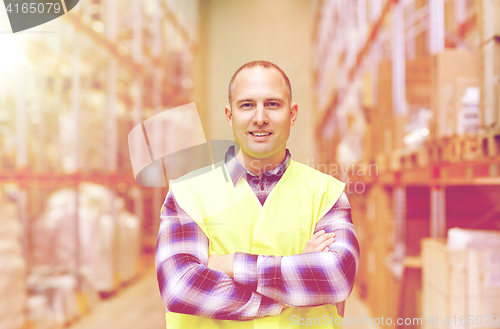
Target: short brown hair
[(264, 64)]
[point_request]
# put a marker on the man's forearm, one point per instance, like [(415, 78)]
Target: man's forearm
[(188, 286), (211, 294), (222, 263), (302, 280), (307, 279)]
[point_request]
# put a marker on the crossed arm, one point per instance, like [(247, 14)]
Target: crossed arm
[(319, 242), (243, 286)]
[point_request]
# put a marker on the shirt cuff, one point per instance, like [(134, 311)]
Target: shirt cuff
[(245, 269), (270, 307)]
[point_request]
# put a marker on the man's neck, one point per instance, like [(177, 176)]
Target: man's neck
[(260, 166)]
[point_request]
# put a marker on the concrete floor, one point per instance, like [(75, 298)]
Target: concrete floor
[(139, 306), (357, 311)]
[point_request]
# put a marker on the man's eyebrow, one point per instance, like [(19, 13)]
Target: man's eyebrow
[(272, 99), (275, 99), (245, 100)]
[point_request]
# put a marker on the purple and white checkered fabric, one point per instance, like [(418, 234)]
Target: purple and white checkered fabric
[(261, 284)]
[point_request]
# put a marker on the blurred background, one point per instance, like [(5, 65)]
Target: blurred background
[(399, 99)]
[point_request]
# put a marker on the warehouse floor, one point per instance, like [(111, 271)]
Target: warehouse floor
[(136, 306), (139, 306)]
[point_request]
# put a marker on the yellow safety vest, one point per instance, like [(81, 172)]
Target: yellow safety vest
[(234, 220)]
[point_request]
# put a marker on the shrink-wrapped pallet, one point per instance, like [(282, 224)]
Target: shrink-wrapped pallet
[(128, 229), (109, 245), (101, 270), (54, 300), (13, 267), (54, 233), (37, 306)]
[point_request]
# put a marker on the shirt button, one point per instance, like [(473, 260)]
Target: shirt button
[(262, 187)]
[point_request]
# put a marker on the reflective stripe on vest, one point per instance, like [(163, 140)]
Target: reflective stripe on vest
[(234, 220)]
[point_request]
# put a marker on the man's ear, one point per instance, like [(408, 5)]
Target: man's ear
[(229, 115), (293, 113)]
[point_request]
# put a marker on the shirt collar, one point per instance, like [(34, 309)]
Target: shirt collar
[(236, 169)]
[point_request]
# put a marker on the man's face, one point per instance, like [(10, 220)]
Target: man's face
[(261, 114)]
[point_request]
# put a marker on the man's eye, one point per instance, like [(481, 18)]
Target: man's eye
[(246, 105), (274, 104)]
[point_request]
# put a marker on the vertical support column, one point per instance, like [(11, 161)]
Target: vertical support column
[(111, 90), (436, 26), (375, 9), (351, 43), (157, 104), (398, 60), (21, 115), (410, 38), (341, 41), (362, 23), (375, 57), (137, 89), (460, 12), (75, 112), (112, 69), (438, 212), (396, 260), (400, 218), (22, 156)]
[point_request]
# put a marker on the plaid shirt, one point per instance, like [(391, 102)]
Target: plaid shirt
[(261, 284)]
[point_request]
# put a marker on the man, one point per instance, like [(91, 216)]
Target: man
[(275, 245)]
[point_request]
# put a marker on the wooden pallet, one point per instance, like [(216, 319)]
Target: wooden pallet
[(456, 149), (396, 160), (472, 147), (418, 158), (490, 143), (441, 150), (382, 162)]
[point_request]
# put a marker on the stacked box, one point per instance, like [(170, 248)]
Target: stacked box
[(490, 83), (446, 68), (458, 284), (383, 287), (489, 22), (13, 268)]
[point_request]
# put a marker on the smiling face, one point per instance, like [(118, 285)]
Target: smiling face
[(261, 116)]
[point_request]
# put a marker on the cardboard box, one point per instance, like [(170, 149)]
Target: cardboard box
[(384, 87), (458, 284), (490, 83), (367, 99), (417, 74), (418, 77), (446, 68), (381, 133), (399, 123), (383, 289), (461, 86)]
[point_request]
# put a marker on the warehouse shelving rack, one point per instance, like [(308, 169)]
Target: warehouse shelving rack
[(137, 76), (350, 39)]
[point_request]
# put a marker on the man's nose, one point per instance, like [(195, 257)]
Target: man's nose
[(260, 117)]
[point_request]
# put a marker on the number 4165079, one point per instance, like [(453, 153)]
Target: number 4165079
[(472, 320), (34, 8)]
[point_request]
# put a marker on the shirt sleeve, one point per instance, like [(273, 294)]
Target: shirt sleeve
[(188, 286), (309, 279)]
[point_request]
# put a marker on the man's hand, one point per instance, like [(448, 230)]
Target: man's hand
[(221, 263), (319, 242)]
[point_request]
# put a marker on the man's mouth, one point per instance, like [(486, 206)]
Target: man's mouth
[(260, 134)]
